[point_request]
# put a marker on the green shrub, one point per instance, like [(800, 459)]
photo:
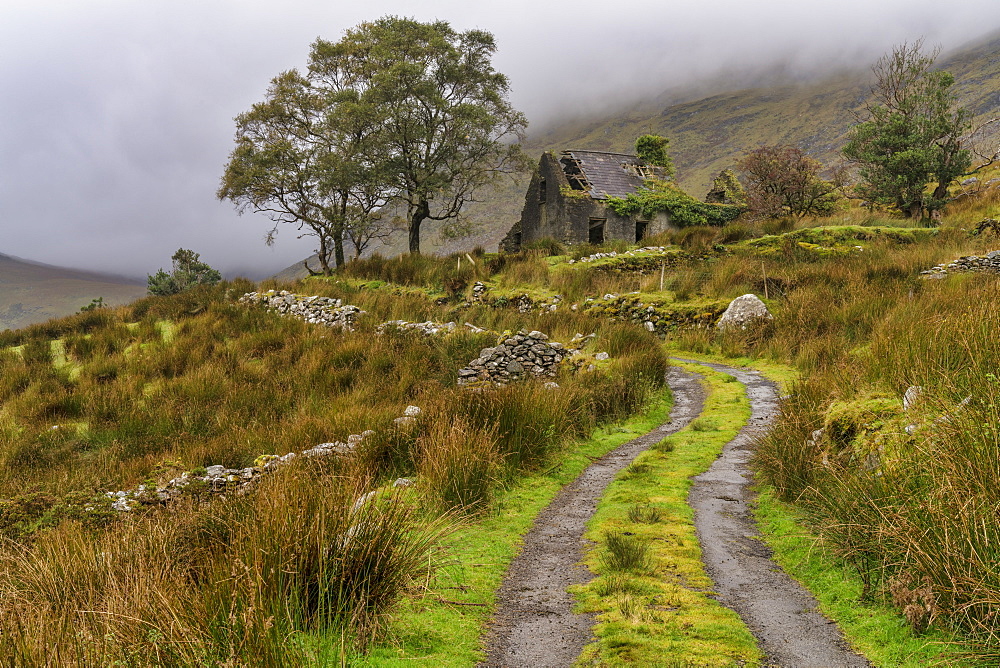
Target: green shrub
[(625, 552)]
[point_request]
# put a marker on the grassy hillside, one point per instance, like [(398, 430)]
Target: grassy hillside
[(710, 131), (114, 398), (32, 292)]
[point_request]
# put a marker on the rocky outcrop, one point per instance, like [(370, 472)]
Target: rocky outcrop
[(316, 310), (990, 263), (522, 355), (743, 311)]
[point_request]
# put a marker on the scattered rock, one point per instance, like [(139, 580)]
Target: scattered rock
[(911, 396), (479, 291), (742, 311)]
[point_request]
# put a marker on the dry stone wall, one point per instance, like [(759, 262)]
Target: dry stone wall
[(989, 263), (218, 479), (315, 310)]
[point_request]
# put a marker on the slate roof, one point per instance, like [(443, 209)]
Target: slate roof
[(608, 174)]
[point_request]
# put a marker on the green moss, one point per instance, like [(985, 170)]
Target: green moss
[(666, 197), (851, 424), (835, 240)]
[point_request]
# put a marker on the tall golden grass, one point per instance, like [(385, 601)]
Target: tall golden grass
[(295, 572)]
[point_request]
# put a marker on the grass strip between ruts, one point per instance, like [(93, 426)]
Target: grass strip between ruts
[(876, 630), (444, 625), (659, 612)]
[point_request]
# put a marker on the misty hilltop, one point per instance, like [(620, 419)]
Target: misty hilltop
[(710, 126)]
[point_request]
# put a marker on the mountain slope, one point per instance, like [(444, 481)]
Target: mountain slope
[(31, 292), (710, 131)]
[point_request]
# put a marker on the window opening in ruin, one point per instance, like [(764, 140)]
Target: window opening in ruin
[(541, 191), (574, 173), (640, 230), (597, 230)]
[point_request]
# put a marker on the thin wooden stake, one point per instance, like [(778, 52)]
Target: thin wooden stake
[(764, 271), (663, 267)]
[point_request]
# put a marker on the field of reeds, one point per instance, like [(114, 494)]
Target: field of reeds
[(299, 571)]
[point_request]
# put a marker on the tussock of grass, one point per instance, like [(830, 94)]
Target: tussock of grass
[(625, 552), (218, 583), (874, 627), (428, 630)]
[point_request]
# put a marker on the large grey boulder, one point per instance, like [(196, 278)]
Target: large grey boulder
[(742, 311)]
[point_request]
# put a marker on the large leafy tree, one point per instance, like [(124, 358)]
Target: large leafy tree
[(306, 156), (783, 180), (446, 128), (913, 134), (397, 111)]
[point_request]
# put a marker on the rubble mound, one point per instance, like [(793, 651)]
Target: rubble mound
[(518, 356)]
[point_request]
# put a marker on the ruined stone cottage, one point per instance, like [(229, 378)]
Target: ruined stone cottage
[(567, 200)]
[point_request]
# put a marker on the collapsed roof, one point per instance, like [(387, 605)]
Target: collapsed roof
[(605, 174)]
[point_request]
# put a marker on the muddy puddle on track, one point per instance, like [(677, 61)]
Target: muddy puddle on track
[(534, 624), (781, 614)]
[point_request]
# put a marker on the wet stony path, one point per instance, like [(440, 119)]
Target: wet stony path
[(780, 613), (534, 624)]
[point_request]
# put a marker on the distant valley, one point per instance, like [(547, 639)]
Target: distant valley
[(31, 292)]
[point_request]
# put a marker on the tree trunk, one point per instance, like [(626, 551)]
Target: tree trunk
[(916, 210), (324, 252), (422, 211), (941, 191), (338, 250), (338, 232)]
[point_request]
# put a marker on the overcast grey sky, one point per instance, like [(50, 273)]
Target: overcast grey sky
[(116, 115)]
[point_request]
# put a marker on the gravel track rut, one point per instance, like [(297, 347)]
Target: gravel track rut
[(781, 614)]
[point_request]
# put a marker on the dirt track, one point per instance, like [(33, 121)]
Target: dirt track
[(534, 625), (781, 614)]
